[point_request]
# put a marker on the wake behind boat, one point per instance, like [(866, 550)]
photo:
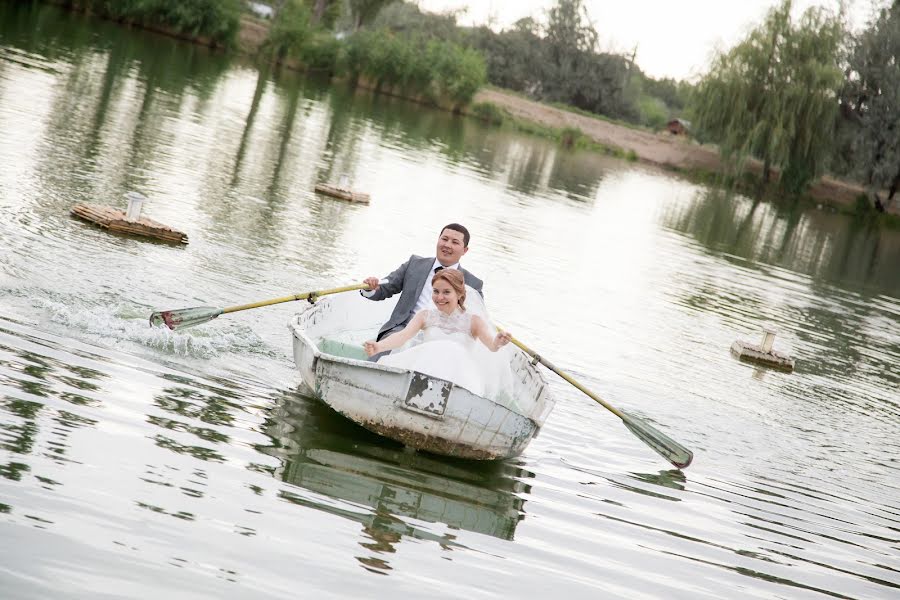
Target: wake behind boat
[(423, 412)]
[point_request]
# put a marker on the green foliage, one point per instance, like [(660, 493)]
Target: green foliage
[(560, 63), (571, 137), (385, 59), (488, 112), (862, 206), (460, 71), (290, 29), (217, 20), (321, 52), (870, 103), (324, 13), (773, 95), (407, 19), (365, 11), (436, 70), (673, 94), (653, 112), (574, 72), (660, 100), (514, 57)]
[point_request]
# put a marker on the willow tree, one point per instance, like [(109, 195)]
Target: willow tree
[(774, 95), (871, 104)]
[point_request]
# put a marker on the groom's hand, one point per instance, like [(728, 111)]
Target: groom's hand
[(372, 282)]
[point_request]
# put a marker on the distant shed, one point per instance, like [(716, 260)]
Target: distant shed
[(264, 11), (678, 127)]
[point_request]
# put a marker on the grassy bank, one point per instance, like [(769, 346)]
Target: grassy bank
[(209, 22)]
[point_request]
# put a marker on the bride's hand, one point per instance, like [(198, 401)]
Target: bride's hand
[(372, 347), (502, 339)]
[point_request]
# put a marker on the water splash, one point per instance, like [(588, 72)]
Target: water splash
[(119, 322)]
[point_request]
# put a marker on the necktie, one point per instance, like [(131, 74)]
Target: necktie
[(436, 269)]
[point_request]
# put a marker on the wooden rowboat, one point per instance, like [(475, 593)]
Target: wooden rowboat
[(420, 411)]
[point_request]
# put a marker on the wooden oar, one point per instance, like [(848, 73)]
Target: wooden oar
[(668, 448), (188, 317)]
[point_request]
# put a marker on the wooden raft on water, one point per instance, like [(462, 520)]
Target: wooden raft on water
[(341, 193), (114, 219), (754, 353), (763, 353)]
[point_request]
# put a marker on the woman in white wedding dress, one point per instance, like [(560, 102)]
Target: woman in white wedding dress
[(450, 348)]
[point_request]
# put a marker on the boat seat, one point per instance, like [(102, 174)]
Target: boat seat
[(342, 348)]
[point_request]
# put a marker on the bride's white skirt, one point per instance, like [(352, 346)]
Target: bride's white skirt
[(474, 367), (442, 359)]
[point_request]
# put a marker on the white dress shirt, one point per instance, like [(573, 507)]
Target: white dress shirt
[(424, 301)]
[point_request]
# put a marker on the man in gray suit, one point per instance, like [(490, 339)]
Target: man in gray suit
[(413, 279)]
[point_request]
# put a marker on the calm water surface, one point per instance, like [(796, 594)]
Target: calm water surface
[(140, 463)]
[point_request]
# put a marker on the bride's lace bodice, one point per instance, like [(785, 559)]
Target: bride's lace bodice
[(459, 322)]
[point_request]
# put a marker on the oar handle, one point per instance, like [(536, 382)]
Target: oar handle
[(567, 377), (301, 296)]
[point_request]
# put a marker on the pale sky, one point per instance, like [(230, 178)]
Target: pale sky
[(673, 39)]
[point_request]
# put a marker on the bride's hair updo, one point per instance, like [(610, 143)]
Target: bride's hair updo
[(456, 281)]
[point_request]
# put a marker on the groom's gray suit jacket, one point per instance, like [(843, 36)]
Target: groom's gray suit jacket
[(408, 279)]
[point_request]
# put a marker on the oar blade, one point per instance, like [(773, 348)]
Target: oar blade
[(184, 317), (665, 446)]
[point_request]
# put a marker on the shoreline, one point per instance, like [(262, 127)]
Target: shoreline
[(675, 153)]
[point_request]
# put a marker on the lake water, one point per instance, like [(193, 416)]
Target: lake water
[(140, 463)]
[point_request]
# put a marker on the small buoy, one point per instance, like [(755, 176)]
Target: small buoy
[(128, 221), (342, 193), (763, 353)]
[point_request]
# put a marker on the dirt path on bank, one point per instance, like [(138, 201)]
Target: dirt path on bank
[(658, 149), (662, 149)]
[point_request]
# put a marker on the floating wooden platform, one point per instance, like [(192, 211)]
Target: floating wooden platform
[(754, 353), (342, 194), (113, 219)]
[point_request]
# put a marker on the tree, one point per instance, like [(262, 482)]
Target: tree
[(364, 11), (870, 104), (324, 13), (573, 71), (513, 56), (408, 19), (774, 95), (570, 40), (290, 29)]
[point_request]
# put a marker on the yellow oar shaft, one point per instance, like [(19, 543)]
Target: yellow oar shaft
[(662, 444), (568, 378), (303, 296)]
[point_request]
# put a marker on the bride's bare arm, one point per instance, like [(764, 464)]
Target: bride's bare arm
[(480, 332), (395, 340)]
